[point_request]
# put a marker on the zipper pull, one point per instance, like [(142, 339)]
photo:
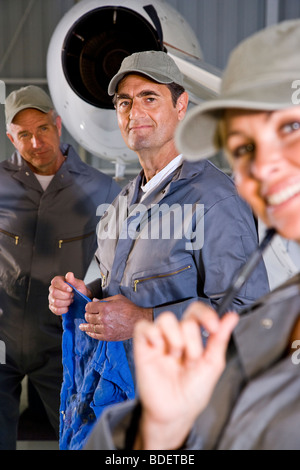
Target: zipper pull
[(135, 284), (60, 242), (17, 239)]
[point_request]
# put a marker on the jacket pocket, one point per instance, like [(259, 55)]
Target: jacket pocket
[(12, 236), (177, 281), (74, 252), (13, 268), (74, 239), (159, 276)]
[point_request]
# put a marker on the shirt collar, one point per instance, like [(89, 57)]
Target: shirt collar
[(167, 170)]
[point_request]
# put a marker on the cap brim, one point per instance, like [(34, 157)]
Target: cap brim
[(21, 108), (112, 87), (196, 135)]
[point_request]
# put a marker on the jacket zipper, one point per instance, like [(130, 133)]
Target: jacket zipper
[(11, 235), (74, 239), (103, 279), (158, 276)]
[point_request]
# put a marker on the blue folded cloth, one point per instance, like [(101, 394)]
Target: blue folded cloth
[(95, 374)]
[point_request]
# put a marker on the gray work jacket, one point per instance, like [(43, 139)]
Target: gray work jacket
[(43, 234), (160, 255), (256, 404)]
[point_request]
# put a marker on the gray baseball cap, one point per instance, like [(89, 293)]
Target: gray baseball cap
[(157, 65), (27, 97), (259, 76)]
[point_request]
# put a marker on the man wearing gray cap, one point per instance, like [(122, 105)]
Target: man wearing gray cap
[(48, 205), (255, 404), (144, 270)]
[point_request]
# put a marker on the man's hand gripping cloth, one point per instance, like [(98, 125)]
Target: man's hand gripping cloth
[(95, 374)]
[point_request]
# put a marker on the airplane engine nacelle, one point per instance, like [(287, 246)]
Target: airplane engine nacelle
[(86, 50)]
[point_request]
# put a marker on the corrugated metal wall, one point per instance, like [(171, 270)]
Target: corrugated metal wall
[(221, 24), (26, 27)]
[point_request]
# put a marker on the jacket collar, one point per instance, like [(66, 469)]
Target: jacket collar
[(63, 177), (186, 171), (72, 163)]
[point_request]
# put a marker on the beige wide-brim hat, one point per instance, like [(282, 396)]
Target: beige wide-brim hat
[(261, 74)]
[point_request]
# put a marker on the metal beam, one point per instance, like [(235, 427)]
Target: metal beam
[(272, 12)]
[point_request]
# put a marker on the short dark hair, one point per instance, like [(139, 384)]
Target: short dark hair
[(176, 90)]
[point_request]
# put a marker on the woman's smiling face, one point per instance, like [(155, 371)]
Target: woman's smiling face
[(265, 151)]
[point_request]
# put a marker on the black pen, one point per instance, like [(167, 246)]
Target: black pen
[(245, 272)]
